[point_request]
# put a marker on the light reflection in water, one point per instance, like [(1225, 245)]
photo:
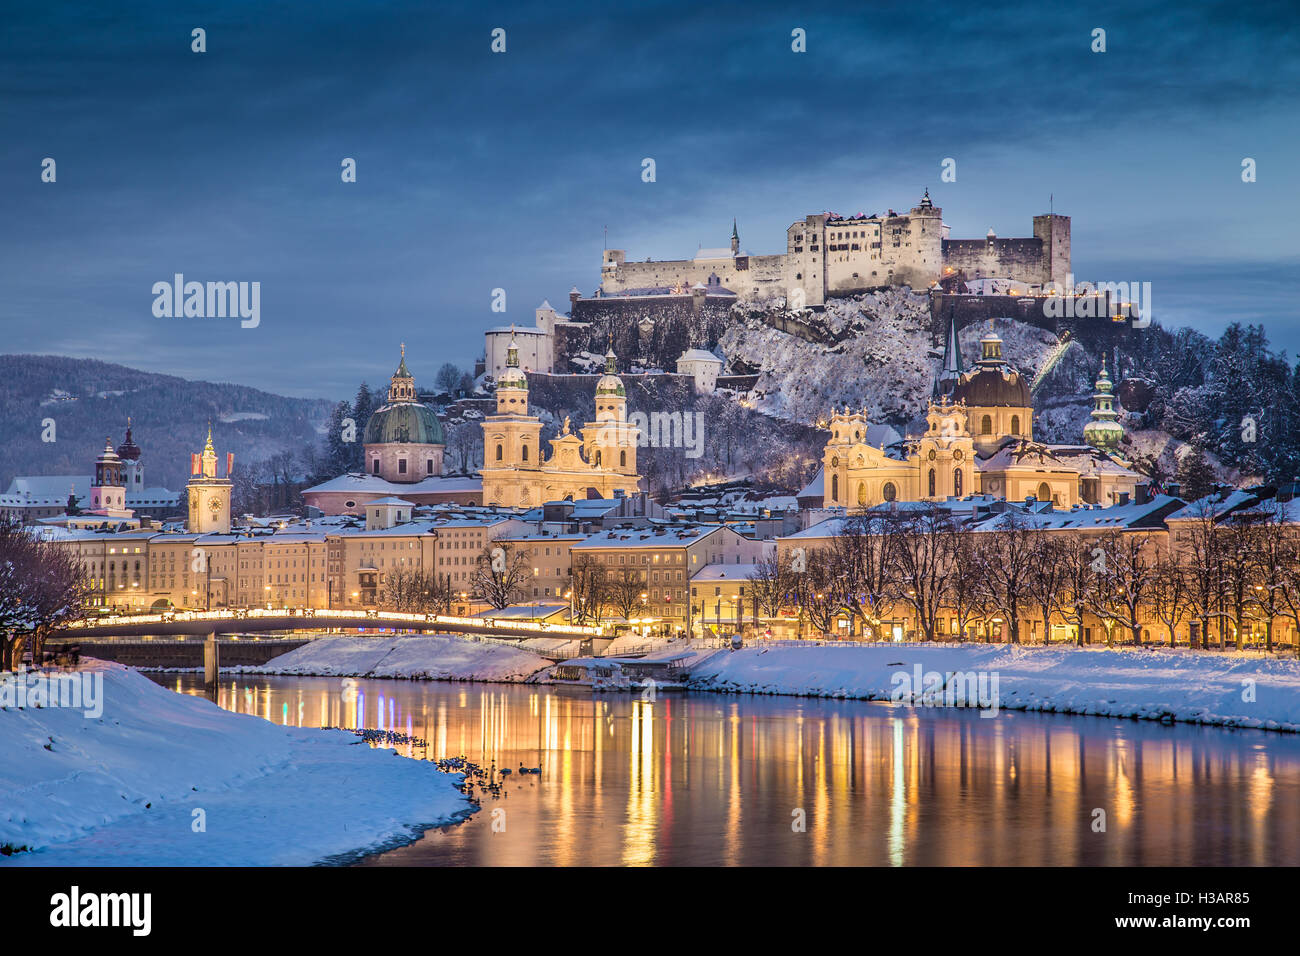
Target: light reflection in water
[(709, 779)]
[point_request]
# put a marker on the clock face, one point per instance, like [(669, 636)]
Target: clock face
[(214, 505)]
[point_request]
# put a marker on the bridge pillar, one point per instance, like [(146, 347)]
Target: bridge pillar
[(211, 661)]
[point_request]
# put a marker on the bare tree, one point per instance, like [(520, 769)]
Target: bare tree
[(919, 560), (589, 584), (1168, 593), (501, 573), (1008, 562), (773, 584), (1273, 553), (962, 591), (43, 586), (623, 591), (1045, 583), (1128, 575), (1203, 552), (860, 573), (1082, 565)]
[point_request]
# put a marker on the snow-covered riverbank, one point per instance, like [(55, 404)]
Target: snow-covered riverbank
[(165, 779), (434, 657), (1197, 687)]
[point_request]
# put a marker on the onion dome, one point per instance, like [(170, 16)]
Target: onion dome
[(610, 384), (992, 383), (1104, 432), (513, 376), (128, 450)]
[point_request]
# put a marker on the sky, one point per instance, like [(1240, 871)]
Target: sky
[(478, 170)]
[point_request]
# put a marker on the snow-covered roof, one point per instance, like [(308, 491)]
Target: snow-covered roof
[(817, 487), (374, 483), (699, 355), (391, 500), (646, 538), (725, 572)]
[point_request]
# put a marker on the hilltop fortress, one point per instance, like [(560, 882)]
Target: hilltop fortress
[(828, 255)]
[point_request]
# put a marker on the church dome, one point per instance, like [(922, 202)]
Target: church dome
[(404, 422), (992, 383), (993, 388), (513, 377)]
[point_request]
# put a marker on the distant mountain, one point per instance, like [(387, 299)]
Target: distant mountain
[(89, 400)]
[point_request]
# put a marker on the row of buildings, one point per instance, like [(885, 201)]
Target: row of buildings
[(691, 576)]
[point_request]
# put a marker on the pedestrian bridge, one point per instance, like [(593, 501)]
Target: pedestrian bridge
[(255, 620)]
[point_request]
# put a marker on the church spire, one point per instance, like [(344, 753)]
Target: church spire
[(952, 362), (735, 238)]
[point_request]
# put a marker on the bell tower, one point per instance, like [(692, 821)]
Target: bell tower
[(209, 495)]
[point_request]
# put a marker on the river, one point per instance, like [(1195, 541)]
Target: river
[(707, 779)]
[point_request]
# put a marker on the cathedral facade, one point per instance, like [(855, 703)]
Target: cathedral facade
[(599, 461), (977, 438)]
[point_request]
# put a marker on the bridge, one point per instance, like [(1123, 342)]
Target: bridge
[(257, 620)]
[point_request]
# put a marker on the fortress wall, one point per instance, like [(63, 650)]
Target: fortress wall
[(1020, 259)]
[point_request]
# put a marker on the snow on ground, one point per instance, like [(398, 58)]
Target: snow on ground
[(434, 657), (120, 789), (1196, 687)]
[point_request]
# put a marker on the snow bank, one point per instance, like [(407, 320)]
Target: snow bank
[(1196, 687), (122, 789), (436, 657)]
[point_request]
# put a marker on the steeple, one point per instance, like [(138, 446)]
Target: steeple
[(1104, 431), (735, 238), (952, 363), (610, 366)]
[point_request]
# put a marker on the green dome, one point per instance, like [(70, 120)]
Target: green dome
[(406, 422), (610, 385)]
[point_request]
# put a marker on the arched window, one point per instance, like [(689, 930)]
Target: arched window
[(862, 494), (889, 492), (374, 467), (931, 482), (835, 487), (500, 453), (597, 457), (986, 425), (1015, 424), (956, 482), (525, 452), (622, 459), (1044, 492)]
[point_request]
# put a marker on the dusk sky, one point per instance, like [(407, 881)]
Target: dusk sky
[(478, 170)]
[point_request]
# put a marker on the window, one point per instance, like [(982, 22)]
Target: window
[(1044, 492), (428, 466), (1015, 424), (835, 487), (986, 425), (862, 494), (622, 459), (525, 450), (374, 467), (889, 491), (931, 492), (956, 482), (401, 466), (500, 452)]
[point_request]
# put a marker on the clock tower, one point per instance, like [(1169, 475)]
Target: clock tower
[(209, 495)]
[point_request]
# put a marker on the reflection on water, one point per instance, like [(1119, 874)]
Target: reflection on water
[(704, 779)]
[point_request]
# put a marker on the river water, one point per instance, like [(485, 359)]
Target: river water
[(708, 779)]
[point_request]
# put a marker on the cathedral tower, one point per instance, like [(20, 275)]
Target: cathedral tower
[(610, 441)]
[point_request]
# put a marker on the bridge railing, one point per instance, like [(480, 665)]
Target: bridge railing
[(393, 617)]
